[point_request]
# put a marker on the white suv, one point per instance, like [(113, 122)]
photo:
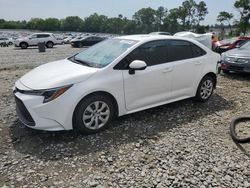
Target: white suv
[(112, 78), (48, 38)]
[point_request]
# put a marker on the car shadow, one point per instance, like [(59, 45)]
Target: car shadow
[(126, 129), (32, 48)]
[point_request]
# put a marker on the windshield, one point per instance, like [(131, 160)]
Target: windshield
[(246, 46), (103, 53)]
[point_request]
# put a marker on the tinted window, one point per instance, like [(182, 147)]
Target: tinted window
[(197, 51), (178, 50), (152, 53), (43, 36), (33, 36)]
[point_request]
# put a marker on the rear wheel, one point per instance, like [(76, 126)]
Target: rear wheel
[(93, 114), (49, 44), (205, 89), (24, 45)]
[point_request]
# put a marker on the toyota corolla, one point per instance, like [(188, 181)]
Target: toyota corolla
[(113, 78)]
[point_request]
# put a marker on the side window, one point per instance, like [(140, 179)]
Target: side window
[(197, 51), (153, 53), (43, 36), (179, 50), (33, 36)]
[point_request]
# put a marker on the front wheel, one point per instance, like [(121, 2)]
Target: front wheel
[(205, 89), (24, 45), (49, 44), (93, 114)]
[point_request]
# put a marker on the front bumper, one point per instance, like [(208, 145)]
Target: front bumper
[(235, 67), (33, 113), (28, 111)]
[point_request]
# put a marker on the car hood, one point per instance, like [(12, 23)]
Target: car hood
[(238, 52), (56, 74)]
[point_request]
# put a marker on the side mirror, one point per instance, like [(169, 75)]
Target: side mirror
[(136, 65)]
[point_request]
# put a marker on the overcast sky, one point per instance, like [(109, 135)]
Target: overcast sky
[(27, 9)]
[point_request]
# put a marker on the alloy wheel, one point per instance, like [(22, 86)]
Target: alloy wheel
[(206, 89), (96, 115)]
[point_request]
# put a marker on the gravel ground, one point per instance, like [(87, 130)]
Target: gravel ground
[(184, 144)]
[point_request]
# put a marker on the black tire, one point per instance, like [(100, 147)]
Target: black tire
[(24, 45), (81, 109), (225, 71), (80, 45), (233, 125), (49, 44), (200, 96)]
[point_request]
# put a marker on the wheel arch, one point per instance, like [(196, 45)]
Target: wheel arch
[(213, 75), (105, 93), (23, 42), (50, 41)]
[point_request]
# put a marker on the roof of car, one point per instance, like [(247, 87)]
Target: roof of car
[(144, 38)]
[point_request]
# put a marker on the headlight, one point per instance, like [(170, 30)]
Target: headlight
[(48, 94), (229, 59), (243, 60)]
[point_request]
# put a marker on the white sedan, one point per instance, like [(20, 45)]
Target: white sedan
[(113, 78)]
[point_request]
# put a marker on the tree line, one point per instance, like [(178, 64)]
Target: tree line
[(243, 7), (188, 16)]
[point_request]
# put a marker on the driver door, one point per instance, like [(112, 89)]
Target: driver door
[(151, 86), (33, 40)]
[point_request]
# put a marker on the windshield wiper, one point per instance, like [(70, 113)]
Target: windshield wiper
[(80, 62)]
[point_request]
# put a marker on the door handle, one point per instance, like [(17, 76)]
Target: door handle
[(166, 70)]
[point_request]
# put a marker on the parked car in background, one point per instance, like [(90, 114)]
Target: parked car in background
[(236, 60), (32, 40), (115, 77), (59, 40), (5, 40), (67, 40), (160, 33), (223, 46), (86, 41)]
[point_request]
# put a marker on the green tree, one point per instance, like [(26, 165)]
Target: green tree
[(243, 6), (201, 12), (72, 23), (52, 24), (95, 23), (225, 17), (160, 14), (36, 23), (171, 23), (145, 19)]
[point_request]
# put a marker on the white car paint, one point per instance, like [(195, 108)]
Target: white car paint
[(33, 40), (156, 85)]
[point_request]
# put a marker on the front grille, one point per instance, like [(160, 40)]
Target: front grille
[(235, 68), (23, 113)]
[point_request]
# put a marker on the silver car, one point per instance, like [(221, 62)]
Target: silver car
[(236, 60)]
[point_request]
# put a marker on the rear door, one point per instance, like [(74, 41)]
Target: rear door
[(42, 38), (188, 62)]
